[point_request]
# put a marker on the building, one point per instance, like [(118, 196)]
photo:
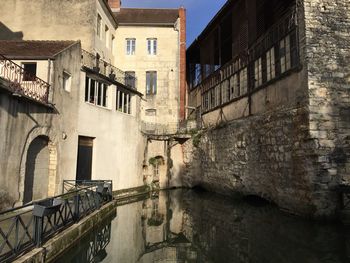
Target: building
[(96, 116), (150, 45), (270, 83)]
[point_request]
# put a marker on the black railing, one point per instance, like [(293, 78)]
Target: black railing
[(23, 83), (28, 226), (103, 67)]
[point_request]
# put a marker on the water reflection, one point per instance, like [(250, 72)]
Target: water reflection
[(186, 226)]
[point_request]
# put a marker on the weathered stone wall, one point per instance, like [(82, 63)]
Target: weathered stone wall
[(327, 26), (294, 155), (271, 155)]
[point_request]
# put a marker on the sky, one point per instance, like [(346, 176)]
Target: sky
[(199, 12)]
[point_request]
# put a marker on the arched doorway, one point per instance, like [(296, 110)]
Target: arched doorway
[(36, 178)]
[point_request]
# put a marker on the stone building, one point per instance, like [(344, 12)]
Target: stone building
[(270, 83), (103, 103), (150, 45)]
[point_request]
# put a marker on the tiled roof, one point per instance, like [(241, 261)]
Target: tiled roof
[(29, 49), (146, 16)]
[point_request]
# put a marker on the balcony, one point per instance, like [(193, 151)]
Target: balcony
[(274, 55), (22, 83), (100, 66)]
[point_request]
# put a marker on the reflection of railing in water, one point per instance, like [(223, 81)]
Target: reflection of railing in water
[(28, 226)]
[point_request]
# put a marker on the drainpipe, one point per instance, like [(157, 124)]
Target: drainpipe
[(49, 63)]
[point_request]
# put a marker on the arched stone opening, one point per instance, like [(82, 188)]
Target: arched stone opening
[(40, 170)]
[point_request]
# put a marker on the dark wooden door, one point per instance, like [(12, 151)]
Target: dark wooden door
[(84, 163)]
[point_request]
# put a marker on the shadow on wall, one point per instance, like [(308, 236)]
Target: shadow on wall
[(7, 34)]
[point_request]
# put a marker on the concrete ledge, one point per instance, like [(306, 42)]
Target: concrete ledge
[(131, 192), (64, 240)]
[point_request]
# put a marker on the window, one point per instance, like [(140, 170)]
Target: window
[(234, 87), (96, 92), (257, 73), (151, 82), (130, 79), (107, 36), (243, 81), (285, 58), (29, 73), (98, 26), (66, 81), (152, 46), (123, 101), (112, 43), (130, 46), (270, 67)]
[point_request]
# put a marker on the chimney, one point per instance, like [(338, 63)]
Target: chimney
[(115, 5)]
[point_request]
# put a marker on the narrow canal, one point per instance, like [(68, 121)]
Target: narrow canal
[(190, 226)]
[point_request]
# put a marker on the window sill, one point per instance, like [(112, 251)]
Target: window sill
[(98, 106)]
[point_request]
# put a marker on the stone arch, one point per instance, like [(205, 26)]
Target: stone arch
[(38, 162)]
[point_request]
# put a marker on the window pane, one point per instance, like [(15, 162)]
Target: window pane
[(87, 82), (29, 71), (99, 94), (92, 91), (104, 98)]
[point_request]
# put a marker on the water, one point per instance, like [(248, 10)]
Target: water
[(188, 226)]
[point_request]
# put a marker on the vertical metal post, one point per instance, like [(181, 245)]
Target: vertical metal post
[(38, 230), (76, 207)]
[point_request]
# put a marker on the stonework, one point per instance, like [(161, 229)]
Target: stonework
[(295, 155)]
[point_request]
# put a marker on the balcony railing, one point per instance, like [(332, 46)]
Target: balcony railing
[(103, 67), (29, 226), (22, 82), (270, 57)]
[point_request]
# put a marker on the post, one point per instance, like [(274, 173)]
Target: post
[(38, 230)]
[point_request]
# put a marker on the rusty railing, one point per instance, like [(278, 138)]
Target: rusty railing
[(22, 82)]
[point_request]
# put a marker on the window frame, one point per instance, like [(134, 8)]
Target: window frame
[(98, 25), (29, 75), (151, 83), (66, 82), (130, 46), (98, 95), (152, 46)]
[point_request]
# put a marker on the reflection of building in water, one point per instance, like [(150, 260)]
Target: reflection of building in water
[(163, 224)]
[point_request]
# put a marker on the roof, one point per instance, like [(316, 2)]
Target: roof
[(146, 16), (29, 49)]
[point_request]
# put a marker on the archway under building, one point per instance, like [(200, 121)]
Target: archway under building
[(36, 180)]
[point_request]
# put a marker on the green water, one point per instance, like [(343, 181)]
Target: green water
[(188, 226)]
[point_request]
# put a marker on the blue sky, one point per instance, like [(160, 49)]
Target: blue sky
[(199, 12)]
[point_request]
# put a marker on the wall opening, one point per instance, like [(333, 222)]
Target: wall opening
[(36, 179)]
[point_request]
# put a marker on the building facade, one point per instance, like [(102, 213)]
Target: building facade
[(94, 109), (269, 81)]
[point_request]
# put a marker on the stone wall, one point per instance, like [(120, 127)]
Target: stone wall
[(327, 26), (294, 154), (270, 155)]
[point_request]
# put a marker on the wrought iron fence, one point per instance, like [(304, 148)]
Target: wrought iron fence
[(30, 225), (23, 83), (103, 67)]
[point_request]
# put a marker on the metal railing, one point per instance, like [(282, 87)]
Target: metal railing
[(28, 226), (22, 82), (172, 128), (103, 67)]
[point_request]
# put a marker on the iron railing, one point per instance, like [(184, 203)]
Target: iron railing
[(28, 226), (171, 128), (23, 83), (103, 67)]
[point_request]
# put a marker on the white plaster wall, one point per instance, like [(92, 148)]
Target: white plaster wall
[(118, 144)]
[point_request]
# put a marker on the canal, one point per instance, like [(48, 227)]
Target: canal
[(192, 226)]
